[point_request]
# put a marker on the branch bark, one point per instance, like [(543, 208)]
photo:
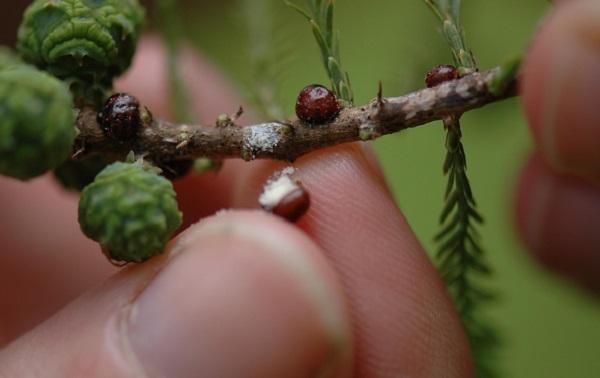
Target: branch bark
[(161, 141)]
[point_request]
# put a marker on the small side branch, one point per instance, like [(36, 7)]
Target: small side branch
[(160, 140)]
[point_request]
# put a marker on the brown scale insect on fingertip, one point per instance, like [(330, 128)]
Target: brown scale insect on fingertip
[(285, 197), (294, 205)]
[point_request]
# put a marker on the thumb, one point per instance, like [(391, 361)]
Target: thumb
[(240, 294)]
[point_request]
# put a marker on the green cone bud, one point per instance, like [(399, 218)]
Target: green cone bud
[(130, 210), (88, 40), (36, 122)]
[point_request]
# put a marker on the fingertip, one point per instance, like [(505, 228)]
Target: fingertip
[(202, 195), (239, 294), (561, 84), (383, 268), (41, 243), (558, 218), (253, 297)]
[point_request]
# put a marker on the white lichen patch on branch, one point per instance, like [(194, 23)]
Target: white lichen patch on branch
[(464, 90), (445, 89), (262, 138), (428, 99), (408, 105), (368, 131)]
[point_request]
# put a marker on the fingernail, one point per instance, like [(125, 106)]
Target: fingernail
[(240, 299), (570, 123)]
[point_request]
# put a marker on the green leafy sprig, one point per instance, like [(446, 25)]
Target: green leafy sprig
[(320, 16), (460, 254), (448, 12)]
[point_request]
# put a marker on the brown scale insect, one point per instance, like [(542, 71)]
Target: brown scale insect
[(285, 197), (120, 117), (294, 205), (441, 74), (316, 105)]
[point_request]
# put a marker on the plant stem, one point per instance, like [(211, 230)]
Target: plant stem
[(286, 140)]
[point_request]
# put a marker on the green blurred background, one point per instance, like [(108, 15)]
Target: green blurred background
[(551, 329)]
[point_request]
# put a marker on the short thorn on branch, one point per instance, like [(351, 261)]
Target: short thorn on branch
[(159, 140)]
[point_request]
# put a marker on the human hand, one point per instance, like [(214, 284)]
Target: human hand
[(558, 198), (244, 294), (348, 291)]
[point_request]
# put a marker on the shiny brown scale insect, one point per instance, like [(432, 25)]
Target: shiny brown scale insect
[(316, 105), (441, 74), (294, 205), (285, 197), (120, 117)]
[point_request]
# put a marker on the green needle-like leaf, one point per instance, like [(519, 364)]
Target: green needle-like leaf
[(460, 255), (320, 14)]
